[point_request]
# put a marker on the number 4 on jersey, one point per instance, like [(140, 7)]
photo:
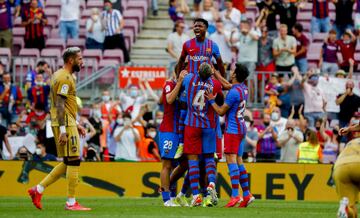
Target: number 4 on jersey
[(199, 100)]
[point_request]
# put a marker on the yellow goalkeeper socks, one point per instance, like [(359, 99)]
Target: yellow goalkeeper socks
[(72, 175), (53, 176)]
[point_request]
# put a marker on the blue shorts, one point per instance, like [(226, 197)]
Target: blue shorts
[(241, 147), (169, 143), (199, 141)]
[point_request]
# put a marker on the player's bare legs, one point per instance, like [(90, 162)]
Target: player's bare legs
[(248, 198), (165, 182)]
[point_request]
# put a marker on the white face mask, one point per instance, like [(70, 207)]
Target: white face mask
[(152, 134), (97, 113), (106, 98), (133, 93), (39, 114), (275, 116), (355, 122), (38, 151), (159, 121), (247, 125), (120, 121), (127, 122), (95, 17), (39, 83)]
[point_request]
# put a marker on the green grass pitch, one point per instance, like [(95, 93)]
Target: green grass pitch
[(152, 207)]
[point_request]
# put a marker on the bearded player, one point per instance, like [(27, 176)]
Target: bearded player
[(66, 131), (235, 131), (347, 175)]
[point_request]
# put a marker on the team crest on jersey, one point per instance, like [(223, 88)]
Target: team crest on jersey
[(64, 89)]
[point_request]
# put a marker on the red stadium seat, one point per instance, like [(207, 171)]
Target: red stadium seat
[(51, 52), (55, 43), (76, 43), (129, 35), (132, 25), (92, 53), (134, 14), (94, 4), (30, 52), (114, 54), (138, 4)]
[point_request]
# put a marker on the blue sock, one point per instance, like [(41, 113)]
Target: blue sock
[(204, 191), (186, 184), (244, 180), (173, 191), (182, 125), (234, 176), (210, 169), (165, 196), (194, 176)]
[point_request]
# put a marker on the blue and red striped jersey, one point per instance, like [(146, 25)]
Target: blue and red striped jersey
[(199, 52), (320, 8), (236, 100), (171, 118), (199, 111)]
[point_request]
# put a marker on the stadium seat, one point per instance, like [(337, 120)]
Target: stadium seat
[(17, 22), (94, 4), (86, 14), (307, 7), (47, 32), (114, 54), (319, 37), (92, 53), (5, 57), (134, 14), (128, 33), (76, 42), (55, 43), (53, 3), (54, 33), (108, 62), (304, 16), (30, 52), (52, 22), (109, 77), (82, 33), (18, 31), (138, 4), (82, 23), (90, 66), (357, 57), (52, 12), (18, 44), (50, 52), (132, 25), (22, 65)]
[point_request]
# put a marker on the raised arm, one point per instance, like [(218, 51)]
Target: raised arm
[(171, 97)]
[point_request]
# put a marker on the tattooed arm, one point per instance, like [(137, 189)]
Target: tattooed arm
[(60, 110)]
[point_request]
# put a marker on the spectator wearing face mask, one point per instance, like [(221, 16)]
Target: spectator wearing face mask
[(322, 133), (39, 93), (41, 155), (90, 132), (150, 151), (126, 137), (347, 47), (315, 103), (349, 103), (41, 68), (109, 109), (250, 140), (289, 141), (266, 145), (111, 142), (277, 121), (331, 148), (95, 34), (95, 120), (23, 154), (310, 151), (37, 115)]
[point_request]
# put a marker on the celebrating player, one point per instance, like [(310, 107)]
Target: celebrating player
[(199, 136), (199, 50), (66, 131), (235, 131), (169, 138), (347, 175)]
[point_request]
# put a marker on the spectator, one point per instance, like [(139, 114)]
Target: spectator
[(284, 50), (310, 150), (110, 139), (2, 71), (331, 148), (265, 59), (271, 92), (271, 9), (266, 145), (6, 36), (23, 5), (10, 99), (277, 121), (69, 19), (289, 141), (41, 68), (175, 43), (177, 9), (95, 120), (341, 74), (126, 137), (349, 103), (250, 140), (322, 133), (13, 130), (223, 41), (302, 46), (109, 109), (283, 101), (39, 93), (34, 21), (231, 17), (288, 12), (154, 7), (320, 21), (4, 141), (114, 24), (247, 45), (90, 132), (92, 153), (328, 61), (95, 34), (150, 151), (314, 99), (343, 19), (23, 154), (210, 14), (347, 47), (41, 155), (295, 91), (37, 117)]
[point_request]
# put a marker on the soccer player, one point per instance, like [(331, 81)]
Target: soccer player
[(199, 136), (169, 137), (235, 131), (66, 131), (199, 50), (347, 175)]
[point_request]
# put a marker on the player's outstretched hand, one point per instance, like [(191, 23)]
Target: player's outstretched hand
[(63, 139), (209, 95), (344, 131), (82, 131)]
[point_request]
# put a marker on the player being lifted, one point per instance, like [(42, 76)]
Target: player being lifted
[(199, 136), (235, 131), (66, 131), (169, 133), (347, 175)]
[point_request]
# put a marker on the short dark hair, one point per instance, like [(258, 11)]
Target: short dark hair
[(241, 72), (205, 22), (299, 27), (39, 106), (70, 53), (126, 115), (245, 21), (150, 126), (205, 71), (41, 63)]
